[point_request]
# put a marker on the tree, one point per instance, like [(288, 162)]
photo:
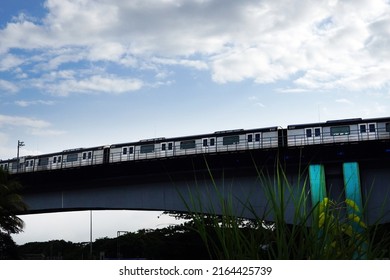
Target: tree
[(11, 203), (8, 248)]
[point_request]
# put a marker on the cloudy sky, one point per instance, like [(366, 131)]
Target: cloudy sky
[(80, 73)]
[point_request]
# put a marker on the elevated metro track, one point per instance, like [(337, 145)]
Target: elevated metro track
[(167, 183)]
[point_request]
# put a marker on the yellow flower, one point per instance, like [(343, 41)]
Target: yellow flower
[(324, 204), (352, 204), (321, 220), (355, 218)]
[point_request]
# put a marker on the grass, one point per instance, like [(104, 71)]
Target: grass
[(321, 231)]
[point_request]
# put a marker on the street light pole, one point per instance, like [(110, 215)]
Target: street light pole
[(20, 144)]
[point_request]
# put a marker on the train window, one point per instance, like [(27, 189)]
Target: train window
[(124, 151), (163, 146), (362, 128), (147, 149), (339, 130), (89, 155), (170, 146), (205, 144), (250, 138), (43, 161), (54, 160), (231, 140), (387, 127), (189, 144), (317, 132), (371, 127), (59, 159), (84, 155), (309, 132), (72, 157), (212, 141), (131, 150), (257, 137)]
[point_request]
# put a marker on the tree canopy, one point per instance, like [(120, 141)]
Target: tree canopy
[(11, 203)]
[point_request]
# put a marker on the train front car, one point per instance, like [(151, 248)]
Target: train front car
[(338, 131)]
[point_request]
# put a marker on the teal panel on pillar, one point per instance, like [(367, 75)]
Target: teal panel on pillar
[(352, 186), (317, 183), (353, 195)]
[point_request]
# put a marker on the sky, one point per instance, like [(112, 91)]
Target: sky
[(85, 73)]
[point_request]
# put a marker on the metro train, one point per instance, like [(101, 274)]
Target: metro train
[(329, 132)]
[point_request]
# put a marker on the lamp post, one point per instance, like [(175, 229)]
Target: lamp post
[(20, 144)]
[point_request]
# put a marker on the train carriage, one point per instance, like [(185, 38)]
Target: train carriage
[(338, 131), (330, 132), (81, 157)]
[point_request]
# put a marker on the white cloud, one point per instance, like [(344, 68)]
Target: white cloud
[(27, 103), (93, 84), (197, 64), (52, 60), (251, 63), (6, 120), (8, 86), (320, 45), (107, 51), (9, 61), (32, 126)]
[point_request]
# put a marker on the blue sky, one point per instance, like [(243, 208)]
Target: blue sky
[(81, 73)]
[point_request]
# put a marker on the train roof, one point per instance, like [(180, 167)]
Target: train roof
[(198, 136), (339, 122), (64, 152), (297, 126)]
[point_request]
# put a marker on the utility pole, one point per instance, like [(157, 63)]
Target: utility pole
[(20, 144), (90, 235)]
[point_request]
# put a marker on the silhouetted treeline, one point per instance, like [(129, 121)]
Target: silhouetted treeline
[(174, 242)]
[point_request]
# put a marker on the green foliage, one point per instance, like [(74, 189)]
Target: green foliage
[(8, 248), (11, 203), (320, 231), (53, 249)]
